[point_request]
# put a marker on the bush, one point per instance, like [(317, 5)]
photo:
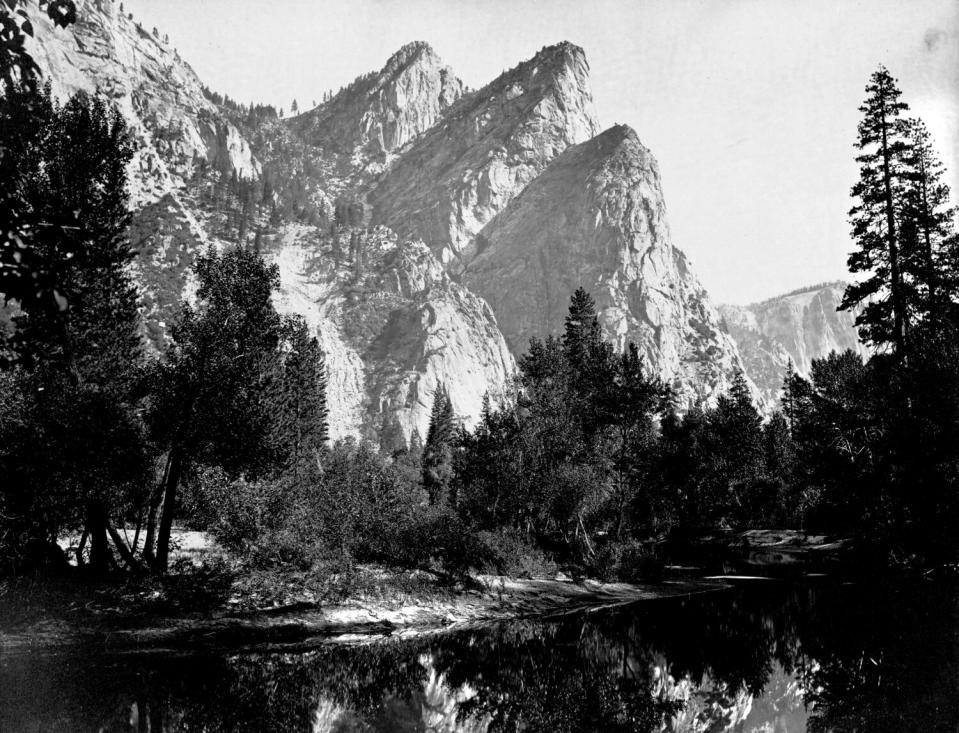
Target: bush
[(509, 552), (626, 562)]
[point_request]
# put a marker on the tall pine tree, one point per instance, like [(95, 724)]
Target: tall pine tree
[(883, 145), (301, 411), (438, 450), (927, 223)]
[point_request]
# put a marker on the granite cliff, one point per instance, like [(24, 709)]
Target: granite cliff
[(800, 326), (596, 217), (449, 183)]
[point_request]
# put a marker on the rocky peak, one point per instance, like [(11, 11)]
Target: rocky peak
[(485, 150), (382, 111), (595, 218)]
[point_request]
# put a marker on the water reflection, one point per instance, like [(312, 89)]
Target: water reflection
[(768, 658)]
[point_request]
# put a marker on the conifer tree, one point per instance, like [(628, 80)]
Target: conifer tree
[(883, 145), (437, 451), (589, 359), (301, 408), (928, 221), (738, 426), (582, 337)]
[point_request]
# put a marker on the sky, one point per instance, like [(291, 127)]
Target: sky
[(750, 106)]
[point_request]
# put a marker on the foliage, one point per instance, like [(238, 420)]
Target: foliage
[(437, 451), (74, 454)]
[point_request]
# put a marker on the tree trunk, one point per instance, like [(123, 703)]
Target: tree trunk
[(121, 545), (169, 501), (100, 556), (80, 547), (149, 542)]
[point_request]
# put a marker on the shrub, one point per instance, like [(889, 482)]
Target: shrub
[(625, 562), (509, 552)]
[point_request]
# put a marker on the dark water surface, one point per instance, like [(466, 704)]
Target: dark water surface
[(764, 656)]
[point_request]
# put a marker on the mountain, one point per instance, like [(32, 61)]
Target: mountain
[(381, 112), (595, 217), (424, 231), (173, 122), (450, 182), (801, 326)]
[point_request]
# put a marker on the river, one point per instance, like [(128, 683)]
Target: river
[(764, 655)]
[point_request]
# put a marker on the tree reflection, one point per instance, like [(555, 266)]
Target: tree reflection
[(831, 658)]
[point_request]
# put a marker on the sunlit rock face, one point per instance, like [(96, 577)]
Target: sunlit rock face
[(450, 182), (173, 123), (392, 335), (596, 218), (382, 111), (800, 326)]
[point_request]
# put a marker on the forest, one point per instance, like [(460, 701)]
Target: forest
[(587, 464)]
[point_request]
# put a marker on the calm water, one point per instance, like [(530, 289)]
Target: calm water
[(764, 656)]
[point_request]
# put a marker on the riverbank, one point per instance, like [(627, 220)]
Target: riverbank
[(210, 600), (185, 614)]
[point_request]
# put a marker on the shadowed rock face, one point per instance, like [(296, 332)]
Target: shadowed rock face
[(448, 184), (595, 218), (383, 111), (800, 326)]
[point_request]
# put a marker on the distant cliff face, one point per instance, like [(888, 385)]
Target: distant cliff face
[(493, 142), (801, 326), (595, 218)]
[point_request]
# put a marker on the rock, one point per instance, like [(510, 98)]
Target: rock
[(173, 123), (595, 218), (457, 176), (802, 326), (393, 334), (381, 112)]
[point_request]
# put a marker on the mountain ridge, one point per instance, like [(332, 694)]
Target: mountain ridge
[(391, 288)]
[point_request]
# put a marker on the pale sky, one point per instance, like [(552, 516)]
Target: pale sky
[(750, 106)]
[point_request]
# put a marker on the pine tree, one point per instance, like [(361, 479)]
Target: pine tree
[(301, 410), (437, 452), (294, 108), (589, 359), (883, 146), (927, 221), (738, 426), (582, 337)]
